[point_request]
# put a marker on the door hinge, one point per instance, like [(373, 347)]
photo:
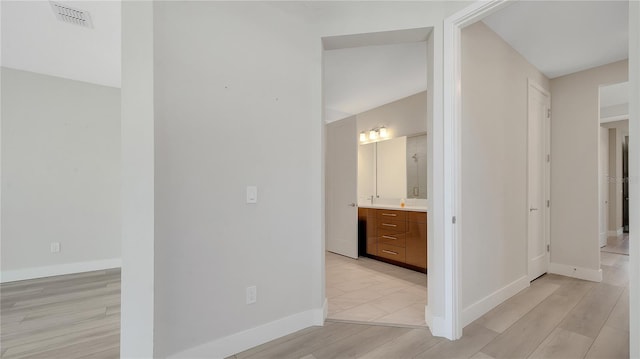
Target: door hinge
[(548, 203), (548, 158), (548, 113), (547, 248), (453, 219)]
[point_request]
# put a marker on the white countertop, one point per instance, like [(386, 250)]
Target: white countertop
[(394, 207)]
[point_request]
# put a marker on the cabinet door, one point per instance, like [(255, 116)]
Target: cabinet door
[(416, 244), (372, 233)]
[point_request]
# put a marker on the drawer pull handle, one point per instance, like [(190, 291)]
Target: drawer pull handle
[(390, 252), (389, 237), (389, 225), (389, 214)]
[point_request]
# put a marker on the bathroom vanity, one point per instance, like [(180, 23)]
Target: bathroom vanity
[(394, 234)]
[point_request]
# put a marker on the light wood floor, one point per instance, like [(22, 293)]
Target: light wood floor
[(556, 317), (70, 316), (617, 244), (78, 316)]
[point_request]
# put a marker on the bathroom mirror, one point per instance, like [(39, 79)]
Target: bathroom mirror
[(393, 169)]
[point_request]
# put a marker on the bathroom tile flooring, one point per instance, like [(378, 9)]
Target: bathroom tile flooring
[(367, 290)]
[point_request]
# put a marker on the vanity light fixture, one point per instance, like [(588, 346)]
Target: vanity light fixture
[(374, 134)]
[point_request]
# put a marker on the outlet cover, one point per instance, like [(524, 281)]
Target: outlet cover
[(55, 247), (252, 294)]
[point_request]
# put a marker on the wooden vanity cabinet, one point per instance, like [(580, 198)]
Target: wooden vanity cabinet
[(399, 237), (416, 239)]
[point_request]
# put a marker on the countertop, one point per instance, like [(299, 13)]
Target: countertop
[(395, 207)]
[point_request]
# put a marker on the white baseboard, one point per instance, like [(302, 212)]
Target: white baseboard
[(616, 232), (437, 325), (576, 272), (325, 310), (235, 343), (479, 308), (60, 269)]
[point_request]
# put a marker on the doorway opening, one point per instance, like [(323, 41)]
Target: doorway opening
[(375, 93), (614, 162), (567, 226)]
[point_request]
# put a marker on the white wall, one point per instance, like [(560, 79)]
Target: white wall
[(137, 318), (225, 120), (407, 116), (615, 177), (574, 167), (61, 175), (494, 168), (603, 184)]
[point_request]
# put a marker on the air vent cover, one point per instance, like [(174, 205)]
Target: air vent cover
[(71, 15)]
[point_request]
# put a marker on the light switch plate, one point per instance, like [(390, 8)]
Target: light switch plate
[(55, 247), (252, 194)]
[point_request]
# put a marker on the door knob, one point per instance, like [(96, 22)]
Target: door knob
[(351, 205), (532, 209)]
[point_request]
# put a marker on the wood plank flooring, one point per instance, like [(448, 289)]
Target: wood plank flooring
[(556, 317), (78, 316), (70, 316)]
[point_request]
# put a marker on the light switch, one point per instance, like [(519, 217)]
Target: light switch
[(252, 194)]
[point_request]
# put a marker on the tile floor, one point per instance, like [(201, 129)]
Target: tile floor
[(367, 290)]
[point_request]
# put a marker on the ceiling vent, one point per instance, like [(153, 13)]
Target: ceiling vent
[(72, 15)]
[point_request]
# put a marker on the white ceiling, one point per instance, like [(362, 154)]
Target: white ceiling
[(563, 37), (34, 40), (358, 79), (616, 94)]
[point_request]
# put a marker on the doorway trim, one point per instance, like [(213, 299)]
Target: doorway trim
[(452, 125)]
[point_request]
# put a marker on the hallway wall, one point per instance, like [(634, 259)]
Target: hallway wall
[(574, 169), (494, 168)]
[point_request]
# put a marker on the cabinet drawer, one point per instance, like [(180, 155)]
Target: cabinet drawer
[(392, 238), (391, 252), (397, 226), (420, 217), (385, 214)]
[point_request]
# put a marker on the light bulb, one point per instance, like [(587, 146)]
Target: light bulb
[(363, 136), (373, 135), (383, 132)]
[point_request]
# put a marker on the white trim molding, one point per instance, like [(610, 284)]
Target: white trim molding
[(616, 232), (634, 179), (59, 269), (452, 189), (594, 275), (235, 343), (479, 308)]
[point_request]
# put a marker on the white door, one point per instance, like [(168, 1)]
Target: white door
[(603, 181), (341, 188), (538, 177)]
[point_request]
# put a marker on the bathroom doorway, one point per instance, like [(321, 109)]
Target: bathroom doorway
[(375, 90)]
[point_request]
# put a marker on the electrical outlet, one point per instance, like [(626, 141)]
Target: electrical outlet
[(252, 294), (55, 247)]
